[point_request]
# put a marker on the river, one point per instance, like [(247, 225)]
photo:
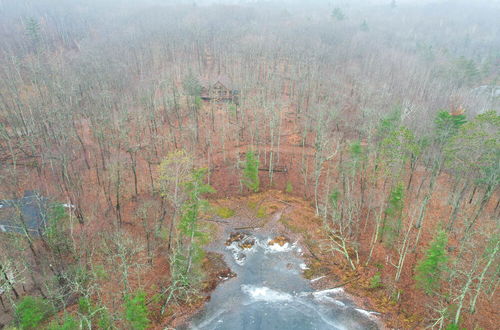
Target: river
[(270, 292)]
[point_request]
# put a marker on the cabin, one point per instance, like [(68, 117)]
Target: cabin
[(24, 215), (219, 89)]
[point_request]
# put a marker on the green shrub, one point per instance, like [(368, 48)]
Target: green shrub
[(104, 321), (84, 305), (289, 188), (252, 205), (68, 323), (453, 326), (338, 14), (261, 212), (32, 311), (232, 109), (395, 295), (376, 281), (57, 227), (100, 272), (224, 212), (289, 225)]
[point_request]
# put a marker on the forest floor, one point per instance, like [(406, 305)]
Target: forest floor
[(297, 220)]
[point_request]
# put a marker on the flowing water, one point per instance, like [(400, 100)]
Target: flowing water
[(269, 292)]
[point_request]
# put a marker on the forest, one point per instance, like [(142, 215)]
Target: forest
[(131, 131)]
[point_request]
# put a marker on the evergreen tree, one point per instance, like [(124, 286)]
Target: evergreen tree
[(357, 155), (475, 148), (388, 124), (391, 225), (192, 85), (32, 311), (465, 71), (334, 204), (474, 152), (56, 232), (338, 14), (447, 126), (188, 225), (251, 172), (364, 26), (136, 311), (33, 30), (396, 150), (185, 264), (430, 269)]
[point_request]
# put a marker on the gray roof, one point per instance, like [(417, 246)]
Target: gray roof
[(29, 210), (210, 81), (488, 90)]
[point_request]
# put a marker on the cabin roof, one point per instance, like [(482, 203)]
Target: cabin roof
[(223, 79)]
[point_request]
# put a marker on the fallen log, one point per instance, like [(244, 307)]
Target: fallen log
[(215, 220), (247, 227), (277, 169), (346, 282), (281, 201)]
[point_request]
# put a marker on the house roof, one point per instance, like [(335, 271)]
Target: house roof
[(30, 209), (209, 81)]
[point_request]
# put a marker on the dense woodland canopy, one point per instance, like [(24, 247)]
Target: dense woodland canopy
[(384, 115)]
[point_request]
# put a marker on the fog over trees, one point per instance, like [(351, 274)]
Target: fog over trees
[(129, 117)]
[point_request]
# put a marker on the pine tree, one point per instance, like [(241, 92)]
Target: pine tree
[(465, 71), (338, 14), (364, 26), (136, 311), (251, 172), (185, 263), (447, 126), (33, 30), (192, 85), (32, 311), (188, 225), (388, 124), (393, 213), (430, 269), (473, 152)]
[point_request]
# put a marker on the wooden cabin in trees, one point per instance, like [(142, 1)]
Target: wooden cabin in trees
[(219, 89)]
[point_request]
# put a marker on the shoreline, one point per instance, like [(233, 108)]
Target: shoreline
[(272, 224)]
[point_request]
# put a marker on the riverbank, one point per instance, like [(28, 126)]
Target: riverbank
[(283, 215)]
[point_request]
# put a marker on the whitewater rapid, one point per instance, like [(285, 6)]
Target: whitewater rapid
[(270, 292)]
